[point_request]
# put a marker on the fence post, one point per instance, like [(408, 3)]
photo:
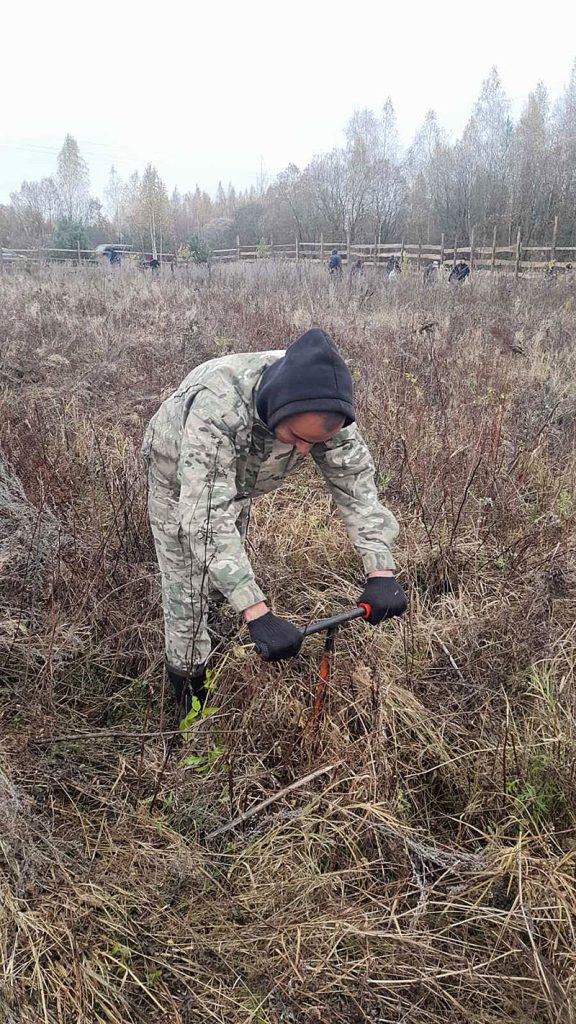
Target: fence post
[(297, 248), (238, 254), (419, 260), (493, 256), (554, 238), (78, 251), (272, 246), (517, 260), (348, 246), (322, 246), (455, 251), (442, 249), (472, 250), (402, 255)]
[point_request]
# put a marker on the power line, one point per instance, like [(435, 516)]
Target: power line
[(112, 149), (29, 147)]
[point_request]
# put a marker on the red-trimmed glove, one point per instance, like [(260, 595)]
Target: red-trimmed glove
[(385, 597)]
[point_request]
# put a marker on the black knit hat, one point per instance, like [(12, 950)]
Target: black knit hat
[(311, 377)]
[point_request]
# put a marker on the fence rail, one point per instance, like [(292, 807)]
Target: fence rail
[(518, 257)]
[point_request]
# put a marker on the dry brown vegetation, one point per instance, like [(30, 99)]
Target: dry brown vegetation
[(427, 875)]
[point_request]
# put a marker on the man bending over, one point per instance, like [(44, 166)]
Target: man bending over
[(234, 429)]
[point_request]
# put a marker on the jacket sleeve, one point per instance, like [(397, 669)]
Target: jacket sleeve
[(347, 467), (208, 510)]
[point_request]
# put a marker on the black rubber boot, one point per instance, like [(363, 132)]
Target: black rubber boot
[(185, 686), (197, 684)]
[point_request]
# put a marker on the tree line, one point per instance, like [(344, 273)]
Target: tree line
[(501, 175)]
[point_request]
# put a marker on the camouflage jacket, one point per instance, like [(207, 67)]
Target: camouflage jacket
[(210, 449)]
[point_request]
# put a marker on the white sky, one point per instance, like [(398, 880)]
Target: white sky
[(206, 91)]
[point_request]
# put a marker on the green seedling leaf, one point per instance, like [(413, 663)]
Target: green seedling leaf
[(121, 952), (193, 761), (202, 763), (192, 715)]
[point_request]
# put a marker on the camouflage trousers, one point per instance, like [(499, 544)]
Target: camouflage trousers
[(186, 589)]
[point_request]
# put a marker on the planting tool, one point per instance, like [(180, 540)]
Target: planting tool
[(331, 626), (362, 611)]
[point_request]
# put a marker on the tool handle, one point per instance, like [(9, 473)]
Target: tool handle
[(361, 612)]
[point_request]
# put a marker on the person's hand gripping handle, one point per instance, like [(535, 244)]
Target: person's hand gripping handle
[(274, 638), (383, 598)]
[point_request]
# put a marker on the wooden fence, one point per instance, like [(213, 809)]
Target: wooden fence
[(516, 258)]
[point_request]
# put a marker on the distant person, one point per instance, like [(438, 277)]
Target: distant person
[(358, 268), (111, 254), (335, 262), (152, 263), (550, 272), (460, 271), (393, 267), (432, 273)]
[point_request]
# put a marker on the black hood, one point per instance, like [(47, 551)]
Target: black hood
[(311, 377)]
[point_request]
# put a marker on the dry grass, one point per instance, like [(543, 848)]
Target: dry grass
[(428, 874)]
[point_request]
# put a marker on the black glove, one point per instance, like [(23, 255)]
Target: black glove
[(185, 686), (275, 638), (385, 597)]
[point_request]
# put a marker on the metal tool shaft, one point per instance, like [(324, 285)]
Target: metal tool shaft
[(336, 620)]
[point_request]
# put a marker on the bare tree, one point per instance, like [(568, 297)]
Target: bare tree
[(35, 209), (533, 191), (483, 158), (72, 182), (564, 150), (115, 202), (149, 209)]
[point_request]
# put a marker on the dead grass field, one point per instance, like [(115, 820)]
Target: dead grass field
[(427, 874)]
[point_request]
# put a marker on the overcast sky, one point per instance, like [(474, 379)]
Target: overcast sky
[(215, 90)]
